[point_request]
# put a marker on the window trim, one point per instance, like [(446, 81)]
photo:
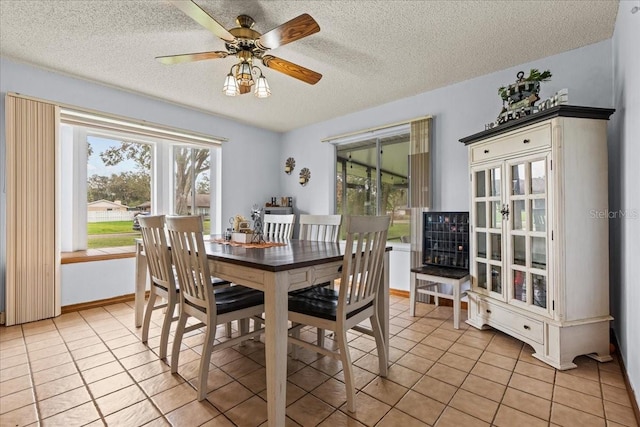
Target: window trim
[(162, 175)]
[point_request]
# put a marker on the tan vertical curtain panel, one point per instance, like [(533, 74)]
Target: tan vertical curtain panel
[(32, 272), (420, 183)]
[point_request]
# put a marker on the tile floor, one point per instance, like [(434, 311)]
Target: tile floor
[(90, 368)]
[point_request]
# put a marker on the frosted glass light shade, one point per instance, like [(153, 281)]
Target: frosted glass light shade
[(262, 89), (230, 87)]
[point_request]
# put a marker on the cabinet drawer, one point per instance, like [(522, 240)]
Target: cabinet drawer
[(519, 142), (516, 322)]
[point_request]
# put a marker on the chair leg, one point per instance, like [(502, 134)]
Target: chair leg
[(177, 340), (166, 326), (412, 294), (205, 359), (243, 324), (147, 315), (383, 363), (256, 326), (320, 337), (294, 348), (345, 358), (228, 326)]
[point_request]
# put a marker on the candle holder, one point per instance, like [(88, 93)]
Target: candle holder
[(305, 176), (289, 165)]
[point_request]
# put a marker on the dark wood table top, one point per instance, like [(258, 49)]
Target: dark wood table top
[(295, 254)]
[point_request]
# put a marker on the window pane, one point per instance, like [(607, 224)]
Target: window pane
[(480, 184), (519, 250), (495, 182), (481, 239), (482, 275), (360, 192), (519, 215), (539, 290), (496, 279), (517, 180), (496, 215), (539, 215), (118, 187), (496, 246), (538, 253), (538, 173), (520, 286), (192, 187), (481, 215)]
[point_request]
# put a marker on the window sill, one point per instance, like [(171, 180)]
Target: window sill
[(104, 254)]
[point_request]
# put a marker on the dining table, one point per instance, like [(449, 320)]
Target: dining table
[(275, 270)]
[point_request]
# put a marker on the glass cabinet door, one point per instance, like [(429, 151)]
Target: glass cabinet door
[(487, 221), (527, 233)]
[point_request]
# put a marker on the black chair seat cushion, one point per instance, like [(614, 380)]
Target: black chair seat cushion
[(319, 302), (235, 298), (303, 290)]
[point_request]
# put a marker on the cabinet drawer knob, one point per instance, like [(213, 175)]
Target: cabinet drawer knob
[(488, 311), (526, 141), (486, 151), (527, 327)]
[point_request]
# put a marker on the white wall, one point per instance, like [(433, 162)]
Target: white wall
[(255, 149), (89, 281), (624, 195), (459, 110)]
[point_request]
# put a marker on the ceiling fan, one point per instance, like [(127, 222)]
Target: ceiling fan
[(248, 45)]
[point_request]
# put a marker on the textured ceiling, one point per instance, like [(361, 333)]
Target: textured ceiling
[(369, 52)]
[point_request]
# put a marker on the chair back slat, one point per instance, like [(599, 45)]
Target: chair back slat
[(278, 227), (157, 251), (363, 261), (190, 259), (321, 228)]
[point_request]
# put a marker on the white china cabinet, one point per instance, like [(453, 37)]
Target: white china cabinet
[(540, 257)]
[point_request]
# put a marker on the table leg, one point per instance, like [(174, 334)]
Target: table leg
[(276, 330), (141, 284)]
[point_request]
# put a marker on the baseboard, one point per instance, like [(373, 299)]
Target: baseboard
[(99, 303), (632, 396), (441, 301), (399, 293)]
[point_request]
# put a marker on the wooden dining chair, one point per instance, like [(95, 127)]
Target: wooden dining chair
[(354, 302), (320, 228), (161, 275), (278, 227), (199, 300), (162, 278)]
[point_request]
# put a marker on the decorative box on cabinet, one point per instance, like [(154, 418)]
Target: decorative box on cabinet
[(540, 251)]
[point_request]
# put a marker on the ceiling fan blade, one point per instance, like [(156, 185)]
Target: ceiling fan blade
[(295, 29), (291, 69), (196, 13), (191, 57)]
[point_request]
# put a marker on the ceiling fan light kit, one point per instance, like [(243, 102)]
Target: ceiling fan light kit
[(247, 44)]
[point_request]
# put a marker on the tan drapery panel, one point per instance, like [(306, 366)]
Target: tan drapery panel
[(32, 271), (420, 183)]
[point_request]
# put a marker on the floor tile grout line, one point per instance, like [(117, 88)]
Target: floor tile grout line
[(102, 416), (487, 348), (33, 386)]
